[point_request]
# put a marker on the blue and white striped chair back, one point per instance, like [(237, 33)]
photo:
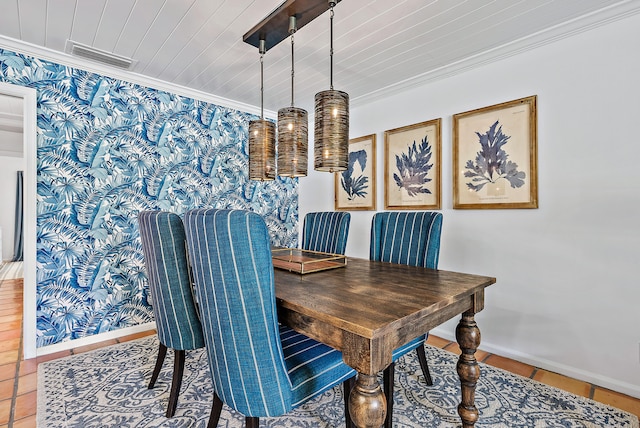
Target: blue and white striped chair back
[(165, 257), (410, 238), (234, 281), (326, 231)]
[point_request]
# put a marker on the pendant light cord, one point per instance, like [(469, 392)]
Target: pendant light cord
[(292, 31), (331, 4), (262, 50)]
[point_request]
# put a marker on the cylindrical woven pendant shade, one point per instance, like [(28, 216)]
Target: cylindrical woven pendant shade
[(293, 126), (331, 131), (262, 150)]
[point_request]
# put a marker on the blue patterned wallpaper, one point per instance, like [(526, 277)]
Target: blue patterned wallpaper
[(108, 149)]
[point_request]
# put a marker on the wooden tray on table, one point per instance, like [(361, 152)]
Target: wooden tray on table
[(305, 261)]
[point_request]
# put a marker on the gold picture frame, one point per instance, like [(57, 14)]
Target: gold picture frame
[(355, 188), (412, 157), (495, 156)]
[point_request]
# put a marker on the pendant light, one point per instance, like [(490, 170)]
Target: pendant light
[(331, 130), (262, 137), (292, 129)]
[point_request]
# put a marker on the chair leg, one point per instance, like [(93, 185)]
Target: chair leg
[(162, 352), (251, 422), (216, 409), (347, 386), (387, 380), (422, 357), (176, 382)]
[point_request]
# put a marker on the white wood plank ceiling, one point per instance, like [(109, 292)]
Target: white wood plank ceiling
[(379, 44)]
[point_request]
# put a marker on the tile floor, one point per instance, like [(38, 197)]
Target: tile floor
[(18, 377)]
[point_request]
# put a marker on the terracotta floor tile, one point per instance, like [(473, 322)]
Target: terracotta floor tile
[(10, 345), (5, 411), (25, 405), (436, 341), (136, 336), (455, 348), (481, 355), (86, 348), (575, 386), (54, 356), (28, 366), (11, 308), (28, 422), (10, 317), (6, 389), (10, 293), (615, 399), (510, 365), (27, 383), (8, 371), (8, 357), (10, 334), (13, 312), (11, 325)]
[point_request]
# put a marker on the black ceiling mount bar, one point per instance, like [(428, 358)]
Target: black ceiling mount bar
[(275, 27)]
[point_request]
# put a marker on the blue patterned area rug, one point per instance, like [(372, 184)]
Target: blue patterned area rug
[(108, 388)]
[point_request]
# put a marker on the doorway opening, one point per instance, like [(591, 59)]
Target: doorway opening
[(29, 112)]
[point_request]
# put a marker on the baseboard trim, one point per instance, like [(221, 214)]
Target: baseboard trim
[(96, 338), (553, 366)]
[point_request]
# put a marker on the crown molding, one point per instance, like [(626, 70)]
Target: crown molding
[(40, 52), (553, 34)]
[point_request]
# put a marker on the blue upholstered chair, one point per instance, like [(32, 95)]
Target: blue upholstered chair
[(410, 238), (326, 231), (177, 322), (258, 367)]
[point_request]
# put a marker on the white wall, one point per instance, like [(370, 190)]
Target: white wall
[(8, 167), (567, 290)]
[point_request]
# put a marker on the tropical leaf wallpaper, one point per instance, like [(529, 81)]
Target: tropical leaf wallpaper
[(108, 149)]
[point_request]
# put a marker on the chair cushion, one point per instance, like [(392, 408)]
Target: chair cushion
[(304, 356)]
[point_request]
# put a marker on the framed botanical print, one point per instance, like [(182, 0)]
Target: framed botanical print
[(412, 157), (355, 188), (495, 156)]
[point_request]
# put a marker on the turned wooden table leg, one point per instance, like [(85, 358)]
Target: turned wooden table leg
[(367, 404), (468, 337)]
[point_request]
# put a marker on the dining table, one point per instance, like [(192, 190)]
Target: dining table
[(366, 309)]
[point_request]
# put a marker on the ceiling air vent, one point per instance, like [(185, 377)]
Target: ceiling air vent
[(93, 54)]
